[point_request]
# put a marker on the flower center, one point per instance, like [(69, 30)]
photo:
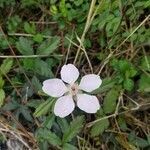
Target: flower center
[(73, 89)]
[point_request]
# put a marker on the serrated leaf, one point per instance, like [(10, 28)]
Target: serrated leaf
[(2, 97), (139, 142), (11, 106), (34, 103), (43, 108), (38, 66), (49, 121), (42, 68), (128, 84), (48, 46), (63, 124), (26, 113), (38, 38), (73, 129), (49, 136), (53, 138), (99, 127), (110, 100), (6, 66), (29, 28), (36, 84), (131, 72), (24, 46)]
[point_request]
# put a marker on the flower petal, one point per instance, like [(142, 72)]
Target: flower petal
[(88, 103), (69, 73), (64, 106), (90, 82), (54, 87)]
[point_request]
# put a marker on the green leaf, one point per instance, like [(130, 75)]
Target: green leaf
[(48, 46), (107, 84), (128, 84), (6, 66), (29, 28), (144, 83), (110, 100), (24, 46), (11, 106), (145, 63), (52, 138), (1, 82), (42, 68), (26, 113), (49, 121), (78, 2), (139, 142), (131, 72), (33, 103), (68, 146), (38, 38), (38, 66), (36, 84), (63, 8), (63, 124), (2, 97), (73, 129), (44, 107), (99, 127), (123, 65)]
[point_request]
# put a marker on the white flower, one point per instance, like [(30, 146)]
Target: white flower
[(71, 93)]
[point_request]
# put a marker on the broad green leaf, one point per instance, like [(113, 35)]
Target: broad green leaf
[(6, 66), (110, 100), (24, 46), (2, 97), (99, 127), (128, 84), (68, 146), (44, 108), (144, 83), (47, 47), (73, 129)]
